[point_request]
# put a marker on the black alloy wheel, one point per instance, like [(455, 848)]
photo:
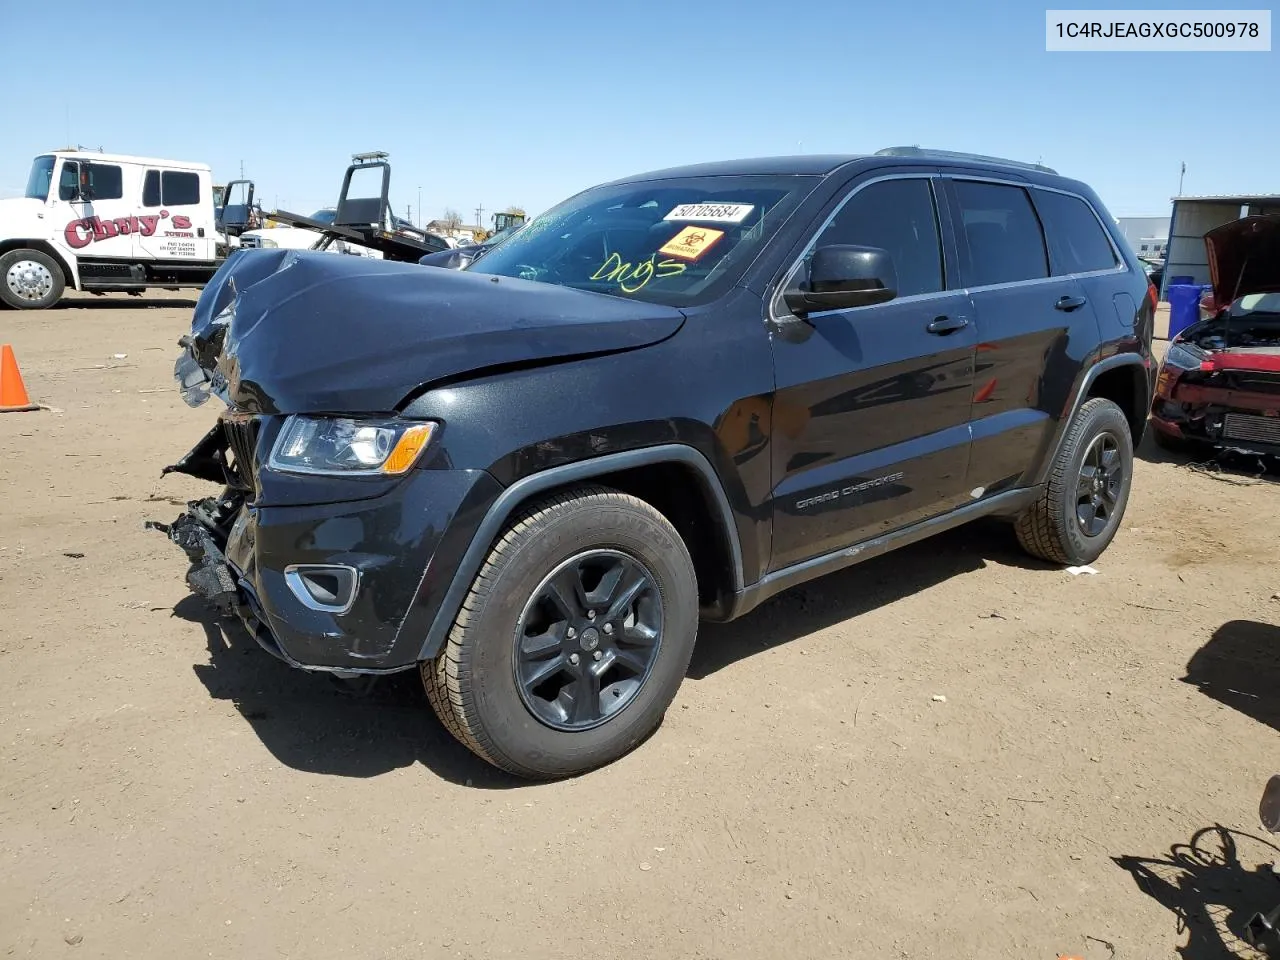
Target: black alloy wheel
[(1099, 485), (587, 639), (574, 637)]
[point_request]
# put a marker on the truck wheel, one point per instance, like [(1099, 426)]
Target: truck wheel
[(1078, 514), (574, 638), (30, 280)]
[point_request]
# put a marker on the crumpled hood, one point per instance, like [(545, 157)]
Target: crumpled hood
[(1244, 257), (325, 333)]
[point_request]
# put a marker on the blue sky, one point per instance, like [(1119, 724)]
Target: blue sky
[(499, 102)]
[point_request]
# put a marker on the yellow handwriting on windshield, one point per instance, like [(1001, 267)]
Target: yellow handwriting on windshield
[(632, 277)]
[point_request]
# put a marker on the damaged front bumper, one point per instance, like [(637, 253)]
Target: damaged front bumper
[(345, 586), (1220, 406), (1224, 419)]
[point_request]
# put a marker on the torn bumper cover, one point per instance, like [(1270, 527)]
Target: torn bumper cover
[(209, 576), (348, 587)]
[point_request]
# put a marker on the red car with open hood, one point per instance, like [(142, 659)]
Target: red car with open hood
[(1219, 384)]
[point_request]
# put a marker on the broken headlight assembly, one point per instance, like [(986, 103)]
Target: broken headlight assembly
[(341, 446), (195, 381)]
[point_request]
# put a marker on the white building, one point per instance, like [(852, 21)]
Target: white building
[(1147, 236), (1193, 217)]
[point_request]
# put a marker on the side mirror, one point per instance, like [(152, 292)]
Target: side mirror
[(842, 276)]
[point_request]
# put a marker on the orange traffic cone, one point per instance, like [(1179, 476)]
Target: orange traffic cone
[(13, 393)]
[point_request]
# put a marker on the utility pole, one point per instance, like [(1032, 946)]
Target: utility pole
[(241, 169), (420, 221), (480, 216), (1180, 176)]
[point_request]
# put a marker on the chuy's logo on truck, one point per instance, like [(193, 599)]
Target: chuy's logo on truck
[(81, 233)]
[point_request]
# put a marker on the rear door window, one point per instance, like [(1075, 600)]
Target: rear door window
[(897, 216), (1003, 234), (1077, 241)]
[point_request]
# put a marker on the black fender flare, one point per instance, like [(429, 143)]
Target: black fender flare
[(500, 512), (1091, 374)]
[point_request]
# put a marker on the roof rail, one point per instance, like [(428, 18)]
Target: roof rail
[(953, 155)]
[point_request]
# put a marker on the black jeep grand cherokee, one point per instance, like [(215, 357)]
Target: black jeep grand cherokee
[(668, 398)]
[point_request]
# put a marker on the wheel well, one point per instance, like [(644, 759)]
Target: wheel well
[(44, 247), (680, 493), (1125, 386)]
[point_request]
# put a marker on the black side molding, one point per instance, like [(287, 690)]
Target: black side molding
[(1000, 504), (537, 483)]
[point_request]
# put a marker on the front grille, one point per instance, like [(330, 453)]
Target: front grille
[(1255, 381), (1243, 426), (254, 242), (242, 440)]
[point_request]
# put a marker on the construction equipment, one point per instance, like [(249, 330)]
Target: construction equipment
[(367, 219), (503, 220)]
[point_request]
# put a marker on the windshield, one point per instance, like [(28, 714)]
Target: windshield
[(506, 233), (324, 216), (677, 242), (41, 177)]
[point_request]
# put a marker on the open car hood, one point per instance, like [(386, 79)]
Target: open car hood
[(1244, 257), (287, 331)]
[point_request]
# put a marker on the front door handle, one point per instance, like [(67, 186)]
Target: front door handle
[(1070, 303), (944, 325)]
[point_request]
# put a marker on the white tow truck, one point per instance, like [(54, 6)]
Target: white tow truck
[(105, 222)]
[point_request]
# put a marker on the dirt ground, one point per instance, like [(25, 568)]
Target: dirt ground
[(1088, 787)]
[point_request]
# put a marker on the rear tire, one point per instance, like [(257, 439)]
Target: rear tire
[(1084, 500), (30, 280), (574, 638)]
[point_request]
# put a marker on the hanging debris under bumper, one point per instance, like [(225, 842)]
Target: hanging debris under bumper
[(202, 533)]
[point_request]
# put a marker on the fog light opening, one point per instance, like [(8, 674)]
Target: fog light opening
[(327, 588)]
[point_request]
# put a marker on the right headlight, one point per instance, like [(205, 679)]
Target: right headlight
[(1183, 357), (267, 244), (342, 446)]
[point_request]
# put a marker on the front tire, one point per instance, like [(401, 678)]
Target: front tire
[(30, 280), (1080, 511), (574, 639)]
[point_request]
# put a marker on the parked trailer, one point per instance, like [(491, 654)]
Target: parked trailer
[(363, 221)]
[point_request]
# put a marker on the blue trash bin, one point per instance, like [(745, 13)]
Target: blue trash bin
[(1184, 306)]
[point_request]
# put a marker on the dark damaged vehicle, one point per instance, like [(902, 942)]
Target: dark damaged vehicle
[(1219, 384), (665, 400)]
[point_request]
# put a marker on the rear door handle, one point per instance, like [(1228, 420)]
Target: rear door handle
[(1070, 303), (944, 325)]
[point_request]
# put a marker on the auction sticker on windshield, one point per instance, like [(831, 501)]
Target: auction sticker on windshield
[(691, 242), (711, 212)]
